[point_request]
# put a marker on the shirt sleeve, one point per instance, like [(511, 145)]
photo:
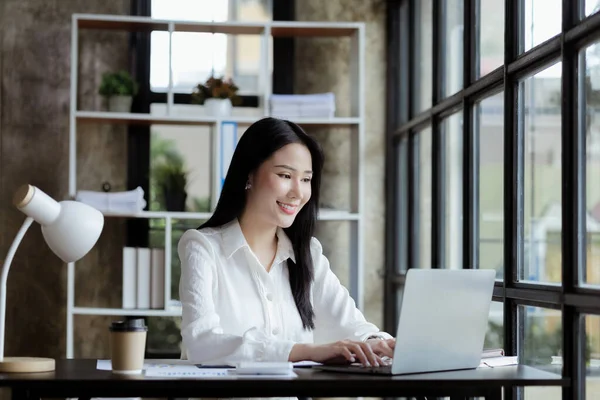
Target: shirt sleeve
[(203, 338), (336, 315)]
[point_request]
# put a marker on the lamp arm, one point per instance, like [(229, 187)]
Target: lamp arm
[(5, 267)]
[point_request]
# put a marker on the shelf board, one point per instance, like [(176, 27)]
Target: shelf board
[(148, 119), (174, 312), (306, 29), (328, 214), (234, 28), (278, 28), (325, 214), (144, 24), (159, 214)]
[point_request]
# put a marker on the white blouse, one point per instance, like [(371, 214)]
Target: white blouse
[(234, 310)]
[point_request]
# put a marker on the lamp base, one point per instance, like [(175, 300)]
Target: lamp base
[(26, 364)]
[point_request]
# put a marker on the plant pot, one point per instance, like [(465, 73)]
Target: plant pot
[(175, 201), (218, 107), (121, 104)]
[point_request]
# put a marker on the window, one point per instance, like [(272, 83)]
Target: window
[(422, 150), (489, 125), (590, 63), (497, 142), (542, 203), (197, 56), (452, 150)]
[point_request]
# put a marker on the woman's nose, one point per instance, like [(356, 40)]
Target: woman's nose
[(295, 189)]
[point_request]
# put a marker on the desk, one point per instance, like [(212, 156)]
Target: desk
[(80, 378)]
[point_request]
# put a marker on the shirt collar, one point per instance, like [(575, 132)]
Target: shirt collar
[(285, 249), (233, 240)]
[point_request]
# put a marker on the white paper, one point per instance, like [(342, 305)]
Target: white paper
[(494, 362), (306, 363), (183, 369), (106, 365)]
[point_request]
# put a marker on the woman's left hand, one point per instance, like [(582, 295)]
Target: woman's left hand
[(383, 348)]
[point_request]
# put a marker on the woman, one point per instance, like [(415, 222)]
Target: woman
[(255, 285)]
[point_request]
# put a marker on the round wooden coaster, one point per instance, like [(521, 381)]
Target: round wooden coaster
[(26, 364)]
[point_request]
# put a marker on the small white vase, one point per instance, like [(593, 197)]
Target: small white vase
[(218, 107), (121, 104)]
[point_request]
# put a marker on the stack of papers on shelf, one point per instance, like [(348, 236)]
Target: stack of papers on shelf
[(503, 361), (131, 201), (303, 105)]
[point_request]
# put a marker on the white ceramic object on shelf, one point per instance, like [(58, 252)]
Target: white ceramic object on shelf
[(120, 104), (218, 107)]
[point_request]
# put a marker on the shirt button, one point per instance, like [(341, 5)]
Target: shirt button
[(275, 331), (269, 297)]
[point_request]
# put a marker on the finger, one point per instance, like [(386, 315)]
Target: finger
[(348, 355), (391, 343), (359, 353), (374, 360), (384, 350)]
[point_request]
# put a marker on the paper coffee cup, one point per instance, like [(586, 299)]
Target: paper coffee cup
[(128, 346)]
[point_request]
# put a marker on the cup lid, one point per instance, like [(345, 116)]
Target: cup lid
[(130, 325)]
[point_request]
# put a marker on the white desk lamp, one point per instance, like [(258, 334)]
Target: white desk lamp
[(70, 229)]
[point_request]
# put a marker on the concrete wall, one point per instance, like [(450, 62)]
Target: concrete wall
[(322, 65), (34, 135)]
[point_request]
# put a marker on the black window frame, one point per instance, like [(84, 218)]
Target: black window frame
[(401, 125)]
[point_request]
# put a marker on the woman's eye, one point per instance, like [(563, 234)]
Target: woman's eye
[(286, 176), (307, 179)]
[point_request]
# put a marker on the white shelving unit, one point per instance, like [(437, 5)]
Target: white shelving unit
[(267, 30)]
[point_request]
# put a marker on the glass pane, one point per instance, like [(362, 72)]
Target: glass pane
[(235, 56), (590, 61), (542, 170), (542, 347), (591, 6), (543, 19), (490, 48), (542, 340), (423, 181), (494, 338), (402, 205), (174, 158), (422, 61), (453, 46), (592, 356), (452, 139), (489, 126)]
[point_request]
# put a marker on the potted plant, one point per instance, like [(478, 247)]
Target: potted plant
[(172, 181), (119, 88), (218, 95)]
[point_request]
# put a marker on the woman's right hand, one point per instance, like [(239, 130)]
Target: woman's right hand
[(341, 352)]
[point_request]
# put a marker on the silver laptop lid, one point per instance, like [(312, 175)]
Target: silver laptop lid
[(443, 320)]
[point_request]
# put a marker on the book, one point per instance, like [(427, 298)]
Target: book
[(129, 298), (157, 279), (143, 278)]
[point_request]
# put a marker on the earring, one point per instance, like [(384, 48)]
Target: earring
[(248, 185)]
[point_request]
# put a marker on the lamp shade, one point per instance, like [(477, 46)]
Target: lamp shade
[(70, 228)]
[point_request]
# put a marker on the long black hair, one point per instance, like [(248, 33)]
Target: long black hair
[(257, 144)]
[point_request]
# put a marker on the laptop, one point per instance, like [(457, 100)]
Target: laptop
[(442, 325)]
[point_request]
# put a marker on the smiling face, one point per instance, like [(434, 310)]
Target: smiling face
[(281, 186)]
